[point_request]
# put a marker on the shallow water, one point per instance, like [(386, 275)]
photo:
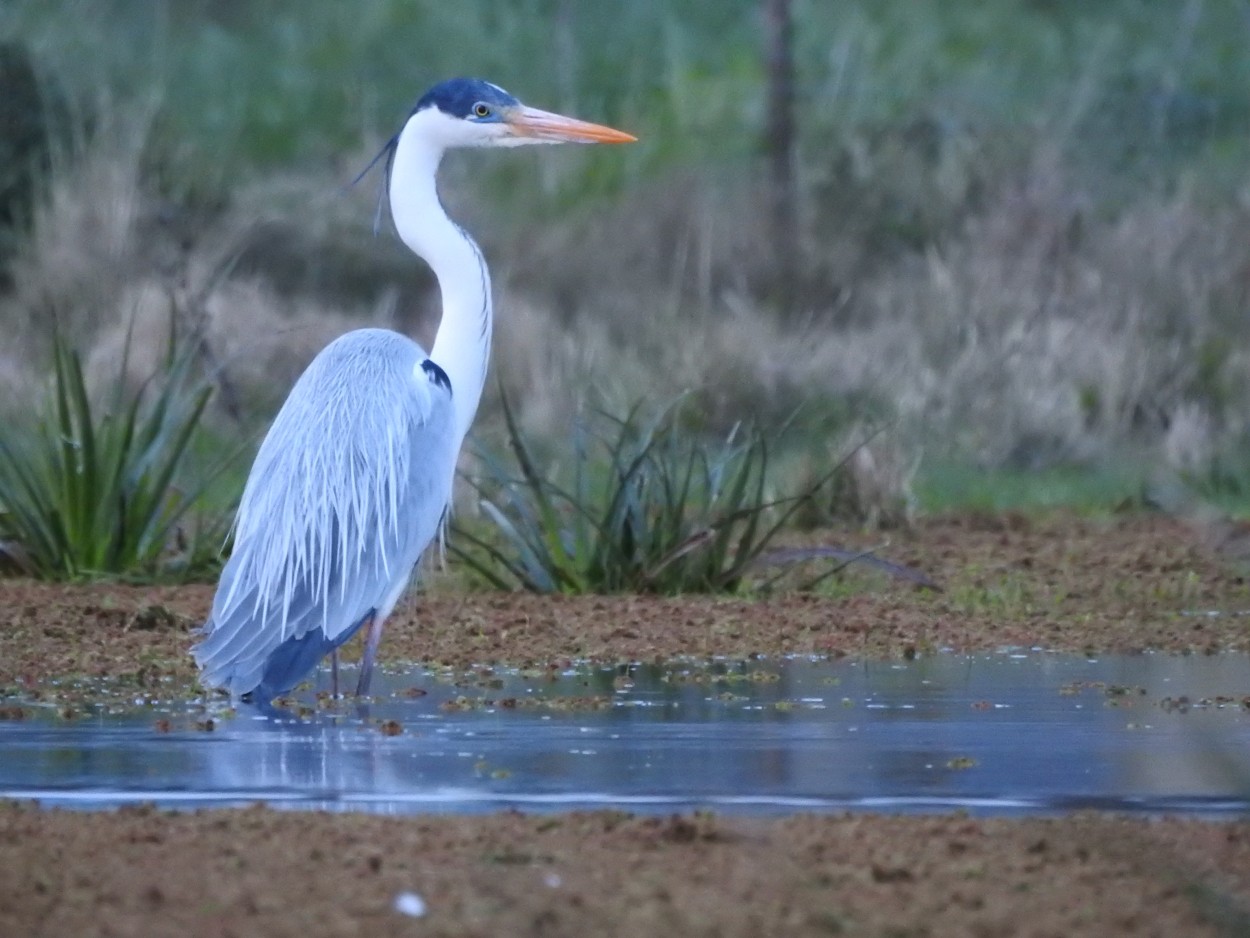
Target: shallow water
[(1004, 734)]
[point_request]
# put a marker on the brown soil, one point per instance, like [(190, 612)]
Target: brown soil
[(1063, 583), (262, 872)]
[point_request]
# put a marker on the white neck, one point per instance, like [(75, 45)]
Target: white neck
[(462, 346)]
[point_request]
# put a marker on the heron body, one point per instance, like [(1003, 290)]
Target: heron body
[(312, 562), (354, 477)]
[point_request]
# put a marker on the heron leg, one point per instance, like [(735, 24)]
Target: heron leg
[(334, 674), (372, 640)]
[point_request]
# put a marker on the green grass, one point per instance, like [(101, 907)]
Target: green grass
[(92, 488), (1084, 489), (1090, 490), (1008, 596)]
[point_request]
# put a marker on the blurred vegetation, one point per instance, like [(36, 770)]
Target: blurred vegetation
[(1024, 225), (245, 85)]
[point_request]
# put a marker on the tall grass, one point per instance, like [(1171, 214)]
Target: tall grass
[(1025, 230)]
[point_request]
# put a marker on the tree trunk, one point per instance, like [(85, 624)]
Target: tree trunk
[(779, 146)]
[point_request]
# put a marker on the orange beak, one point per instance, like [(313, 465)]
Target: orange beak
[(544, 125)]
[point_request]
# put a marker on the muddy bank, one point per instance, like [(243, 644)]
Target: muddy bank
[(1064, 584)]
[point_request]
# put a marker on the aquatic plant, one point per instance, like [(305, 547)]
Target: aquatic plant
[(644, 506), (91, 488)]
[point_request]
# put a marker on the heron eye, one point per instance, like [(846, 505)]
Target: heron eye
[(481, 110)]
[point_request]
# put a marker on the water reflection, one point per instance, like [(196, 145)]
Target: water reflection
[(992, 733)]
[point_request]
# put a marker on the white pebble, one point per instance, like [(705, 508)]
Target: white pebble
[(410, 904)]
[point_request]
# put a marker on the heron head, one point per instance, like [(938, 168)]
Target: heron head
[(469, 112)]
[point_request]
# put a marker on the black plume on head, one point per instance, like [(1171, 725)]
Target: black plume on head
[(456, 96)]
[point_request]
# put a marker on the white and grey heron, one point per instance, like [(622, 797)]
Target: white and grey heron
[(353, 479)]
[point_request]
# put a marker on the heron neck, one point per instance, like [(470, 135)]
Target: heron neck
[(462, 346)]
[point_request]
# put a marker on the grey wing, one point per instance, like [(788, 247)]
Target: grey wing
[(344, 496)]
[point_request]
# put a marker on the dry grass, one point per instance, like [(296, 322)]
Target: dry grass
[(1043, 332), (73, 267), (1030, 326), (108, 257), (1036, 331)]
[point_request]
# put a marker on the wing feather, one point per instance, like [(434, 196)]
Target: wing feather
[(347, 490)]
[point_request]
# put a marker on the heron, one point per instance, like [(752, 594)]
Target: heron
[(353, 480)]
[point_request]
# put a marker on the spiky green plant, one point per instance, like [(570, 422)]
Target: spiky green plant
[(645, 508), (90, 489)]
